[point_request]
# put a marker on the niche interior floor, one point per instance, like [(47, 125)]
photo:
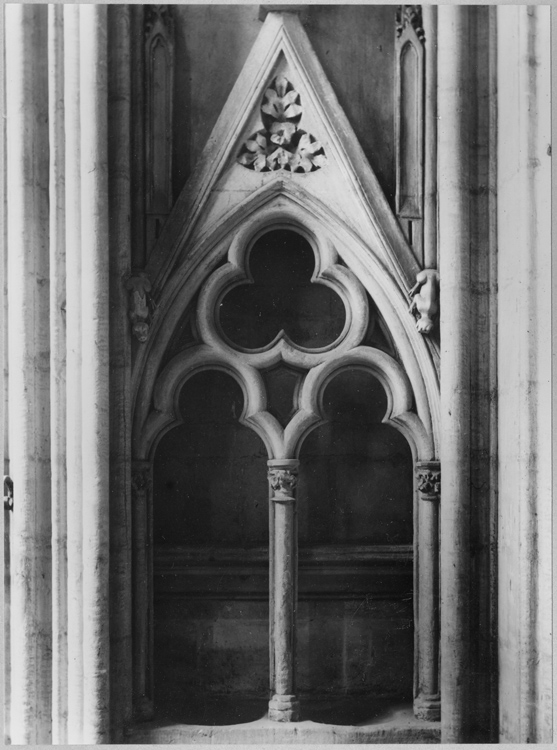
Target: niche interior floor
[(223, 720)]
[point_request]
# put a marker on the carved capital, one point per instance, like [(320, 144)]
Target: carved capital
[(141, 478), (283, 483), (428, 475), (410, 15), (8, 493), (141, 305), (425, 299)]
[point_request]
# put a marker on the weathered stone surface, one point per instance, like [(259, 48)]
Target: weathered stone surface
[(29, 397)]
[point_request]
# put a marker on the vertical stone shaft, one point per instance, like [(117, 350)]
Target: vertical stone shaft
[(58, 373), (427, 705), (4, 454), (284, 706), (95, 372), (138, 135), (73, 372), (28, 284), (525, 377), (119, 62), (142, 552), (454, 239), (430, 146)]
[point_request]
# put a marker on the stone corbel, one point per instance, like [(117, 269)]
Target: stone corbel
[(141, 305), (425, 299)]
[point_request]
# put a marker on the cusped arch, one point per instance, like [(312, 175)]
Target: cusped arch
[(399, 412), (165, 414), (285, 443), (289, 206)]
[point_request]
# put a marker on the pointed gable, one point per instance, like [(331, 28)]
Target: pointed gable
[(284, 112)]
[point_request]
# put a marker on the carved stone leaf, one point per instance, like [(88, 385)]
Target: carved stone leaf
[(256, 161), (281, 85), (319, 161), (306, 157), (256, 154), (282, 132), (258, 144), (279, 158), (299, 161), (281, 107)]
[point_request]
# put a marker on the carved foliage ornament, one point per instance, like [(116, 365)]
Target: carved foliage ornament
[(281, 144), (283, 482), (410, 15), (429, 481)]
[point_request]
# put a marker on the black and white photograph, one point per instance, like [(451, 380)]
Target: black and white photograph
[(277, 345)]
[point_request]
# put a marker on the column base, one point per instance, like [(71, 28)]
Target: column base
[(284, 708), (427, 707)]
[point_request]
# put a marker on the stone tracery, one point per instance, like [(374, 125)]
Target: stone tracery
[(283, 443)]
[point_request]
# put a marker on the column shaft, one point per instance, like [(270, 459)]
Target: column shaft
[(4, 453), (95, 372), (454, 239), (73, 374), (142, 487), (58, 373), (28, 284), (138, 135), (284, 705), (119, 66), (526, 381), (430, 145), (427, 703)]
